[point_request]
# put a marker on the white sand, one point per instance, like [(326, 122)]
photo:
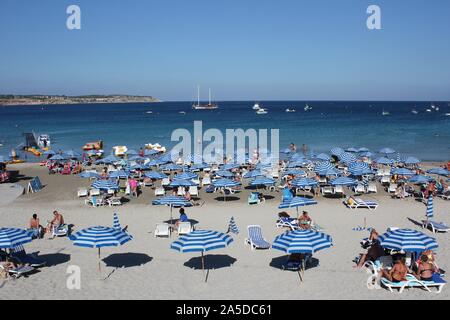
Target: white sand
[(166, 277)]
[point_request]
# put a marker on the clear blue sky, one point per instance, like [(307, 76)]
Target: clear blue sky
[(242, 49)]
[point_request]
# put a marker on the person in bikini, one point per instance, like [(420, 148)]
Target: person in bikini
[(305, 221), (426, 269), (397, 273)]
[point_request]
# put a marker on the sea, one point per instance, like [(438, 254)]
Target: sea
[(425, 135)]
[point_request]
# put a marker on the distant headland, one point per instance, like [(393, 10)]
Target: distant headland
[(14, 100)]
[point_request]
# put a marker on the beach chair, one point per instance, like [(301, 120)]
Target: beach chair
[(160, 191), (297, 262), (165, 182), (383, 262), (360, 189), (193, 191), (326, 190), (206, 181), (82, 192), (162, 230), (94, 192), (385, 180), (253, 198), (356, 203), (95, 201), (210, 189), (255, 238), (184, 228), (114, 201), (372, 187), (19, 271), (413, 282), (435, 226), (392, 188), (339, 190), (181, 192), (22, 257), (60, 231), (445, 196), (111, 191), (285, 222), (147, 182), (196, 181), (322, 180)]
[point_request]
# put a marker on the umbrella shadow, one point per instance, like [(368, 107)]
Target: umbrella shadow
[(212, 261), (280, 262), (226, 199), (172, 221), (417, 223), (54, 259), (127, 260)]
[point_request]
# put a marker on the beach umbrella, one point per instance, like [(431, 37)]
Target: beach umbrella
[(131, 152), (294, 172), (384, 160), (116, 223), (321, 168), (351, 149), (439, 171), (347, 157), (72, 154), (359, 168), (104, 184), (323, 157), (232, 226), (304, 182), (386, 151), (295, 202), (172, 201), (201, 241), (199, 166), (182, 183), (302, 241), (185, 176), (411, 160), (121, 174), (98, 237), (262, 181), (363, 149), (155, 175), (224, 173), (407, 240), (343, 181), (398, 157), (3, 159), (225, 183), (420, 179), (336, 151), (58, 157), (230, 166), (150, 152), (49, 152), (367, 154), (253, 174), (402, 172), (171, 167), (89, 174), (297, 163), (429, 212), (137, 158), (13, 237)]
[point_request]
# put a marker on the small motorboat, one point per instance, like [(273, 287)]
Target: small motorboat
[(261, 111), (385, 113), (149, 112), (307, 107), (256, 106), (182, 112), (414, 111), (290, 110)]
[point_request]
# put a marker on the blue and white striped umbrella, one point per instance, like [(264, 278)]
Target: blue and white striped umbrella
[(322, 168), (402, 172), (230, 166), (429, 213), (110, 159), (104, 184), (185, 176), (294, 172), (97, 237), (439, 171), (386, 151), (302, 241), (384, 160), (359, 168), (72, 154), (116, 223), (182, 183), (13, 237), (304, 182), (411, 160), (323, 157), (136, 158), (337, 151), (225, 183), (343, 181), (262, 181), (232, 226), (224, 173), (171, 167), (351, 149), (297, 163), (296, 202), (200, 166), (89, 174), (407, 240), (131, 152), (420, 179), (367, 154), (155, 162), (59, 157), (155, 175), (119, 174), (150, 152), (201, 241), (347, 157), (363, 149), (49, 152), (172, 201), (253, 174)]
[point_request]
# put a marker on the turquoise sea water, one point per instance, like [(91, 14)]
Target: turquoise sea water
[(425, 135)]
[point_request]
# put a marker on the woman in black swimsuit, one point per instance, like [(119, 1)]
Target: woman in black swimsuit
[(426, 269)]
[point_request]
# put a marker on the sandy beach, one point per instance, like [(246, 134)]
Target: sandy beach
[(157, 272)]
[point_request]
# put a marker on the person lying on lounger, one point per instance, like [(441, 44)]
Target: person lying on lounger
[(397, 273), (375, 250)]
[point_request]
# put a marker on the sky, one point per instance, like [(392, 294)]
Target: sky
[(241, 49)]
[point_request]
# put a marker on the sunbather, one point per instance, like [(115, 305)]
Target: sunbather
[(397, 273), (35, 227), (57, 221), (426, 269), (183, 218), (305, 221), (374, 251)]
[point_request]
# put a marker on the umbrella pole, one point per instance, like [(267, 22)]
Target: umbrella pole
[(203, 265), (99, 259)]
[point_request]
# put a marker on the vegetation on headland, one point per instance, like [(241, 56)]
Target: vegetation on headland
[(10, 100)]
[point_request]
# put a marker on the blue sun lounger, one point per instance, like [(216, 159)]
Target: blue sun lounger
[(413, 282), (255, 238), (19, 254)]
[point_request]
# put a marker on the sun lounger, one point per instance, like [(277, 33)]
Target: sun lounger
[(95, 201), (22, 257), (339, 190), (444, 196), (206, 181), (94, 192), (360, 189), (372, 187), (19, 271), (413, 282), (255, 238), (181, 192), (82, 192), (160, 191), (253, 198), (60, 231), (392, 188), (381, 263), (193, 191), (327, 190), (165, 182), (184, 228), (354, 203), (287, 223), (162, 230), (435, 226), (114, 201), (322, 180)]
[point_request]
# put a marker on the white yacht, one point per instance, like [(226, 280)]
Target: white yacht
[(414, 111), (261, 111), (290, 110), (256, 106), (385, 113), (43, 141)]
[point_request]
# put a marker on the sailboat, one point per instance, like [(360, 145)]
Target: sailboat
[(385, 113), (209, 106)]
